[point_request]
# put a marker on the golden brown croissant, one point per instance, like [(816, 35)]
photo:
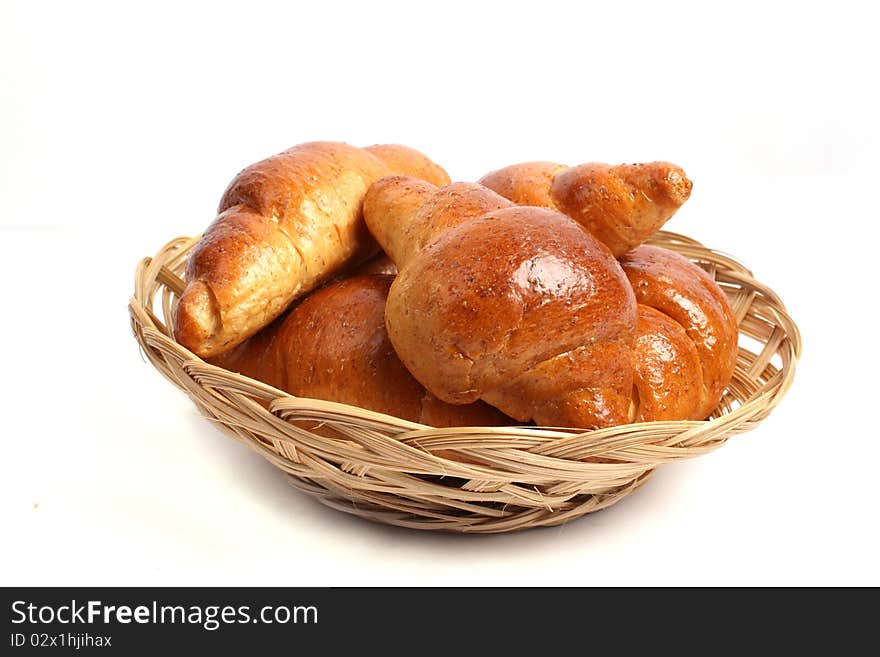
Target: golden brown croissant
[(525, 310), (334, 346), (677, 374), (518, 306), (620, 205), (284, 225), (687, 338)]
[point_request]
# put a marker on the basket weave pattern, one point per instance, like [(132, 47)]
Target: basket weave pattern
[(386, 469)]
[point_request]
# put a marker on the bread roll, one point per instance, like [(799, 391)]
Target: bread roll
[(517, 306), (284, 225), (334, 346)]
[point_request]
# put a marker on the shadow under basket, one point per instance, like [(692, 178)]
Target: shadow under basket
[(388, 470)]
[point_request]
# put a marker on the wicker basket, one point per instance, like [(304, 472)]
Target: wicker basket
[(387, 469)]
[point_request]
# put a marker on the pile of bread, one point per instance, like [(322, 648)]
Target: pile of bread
[(362, 276)]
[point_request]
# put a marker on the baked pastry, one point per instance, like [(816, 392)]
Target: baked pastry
[(620, 205), (333, 345), (284, 225), (524, 309), (517, 306), (682, 360)]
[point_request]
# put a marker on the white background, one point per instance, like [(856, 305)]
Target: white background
[(120, 128)]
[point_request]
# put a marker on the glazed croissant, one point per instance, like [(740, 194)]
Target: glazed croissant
[(686, 335), (334, 346), (523, 308), (284, 225), (620, 205), (517, 306)]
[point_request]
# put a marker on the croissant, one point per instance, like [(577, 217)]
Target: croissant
[(517, 306), (620, 205), (284, 225), (334, 346), (520, 307), (681, 363), (687, 336)]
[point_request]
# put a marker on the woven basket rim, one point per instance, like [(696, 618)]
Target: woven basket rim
[(264, 418)]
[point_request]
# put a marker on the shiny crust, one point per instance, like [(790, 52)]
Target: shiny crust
[(284, 225), (673, 285), (620, 205), (518, 306), (334, 346), (668, 375)]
